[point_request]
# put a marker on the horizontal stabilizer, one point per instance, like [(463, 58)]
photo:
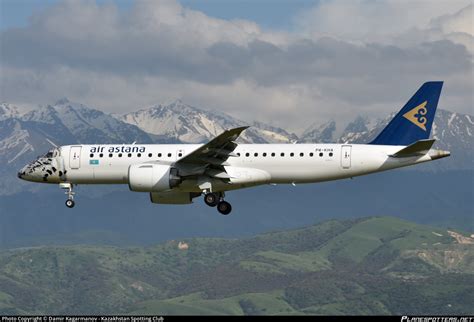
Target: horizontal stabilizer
[(420, 147)]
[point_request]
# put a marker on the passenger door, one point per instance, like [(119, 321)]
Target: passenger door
[(75, 157), (346, 156)]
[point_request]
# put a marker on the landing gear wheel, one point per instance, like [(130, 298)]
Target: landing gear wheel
[(224, 207), (70, 194), (211, 199), (70, 203)]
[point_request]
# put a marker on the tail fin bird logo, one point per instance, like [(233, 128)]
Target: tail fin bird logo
[(418, 115)]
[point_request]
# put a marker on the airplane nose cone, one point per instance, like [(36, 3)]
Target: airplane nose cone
[(21, 174)]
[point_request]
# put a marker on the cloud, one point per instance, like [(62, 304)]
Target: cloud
[(458, 22), (457, 27), (120, 61), (366, 21)]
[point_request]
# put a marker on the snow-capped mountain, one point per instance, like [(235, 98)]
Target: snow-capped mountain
[(8, 111), (453, 132), (22, 141), (87, 125), (187, 124), (323, 133), (271, 134), (362, 129), (25, 136)]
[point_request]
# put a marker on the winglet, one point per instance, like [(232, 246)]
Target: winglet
[(235, 132), (420, 147)]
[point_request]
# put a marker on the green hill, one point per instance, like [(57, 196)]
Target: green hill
[(377, 265)]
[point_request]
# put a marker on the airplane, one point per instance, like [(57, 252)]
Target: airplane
[(178, 173)]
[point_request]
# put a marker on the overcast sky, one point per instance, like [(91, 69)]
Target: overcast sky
[(288, 63)]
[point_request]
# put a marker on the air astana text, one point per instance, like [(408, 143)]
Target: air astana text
[(118, 149)]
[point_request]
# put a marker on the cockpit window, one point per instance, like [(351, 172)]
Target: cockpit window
[(51, 153)]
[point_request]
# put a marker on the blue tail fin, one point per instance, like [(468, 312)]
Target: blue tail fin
[(414, 120)]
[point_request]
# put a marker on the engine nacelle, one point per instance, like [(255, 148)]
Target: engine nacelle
[(152, 177)]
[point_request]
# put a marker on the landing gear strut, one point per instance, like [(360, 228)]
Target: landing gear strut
[(70, 194), (213, 199)]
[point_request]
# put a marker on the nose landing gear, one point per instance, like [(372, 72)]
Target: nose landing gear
[(213, 199), (70, 203), (70, 194)]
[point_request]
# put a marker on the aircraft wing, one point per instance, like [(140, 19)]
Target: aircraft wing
[(215, 152)]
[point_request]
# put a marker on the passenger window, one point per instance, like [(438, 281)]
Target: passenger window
[(150, 155), (129, 155), (169, 155), (247, 154), (273, 154), (311, 154), (159, 155), (301, 154), (292, 154), (120, 155), (110, 155), (255, 154), (238, 154), (101, 155), (91, 155), (282, 154), (330, 154), (180, 155), (320, 154), (264, 154), (139, 155)]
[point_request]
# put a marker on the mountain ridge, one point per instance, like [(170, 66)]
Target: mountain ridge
[(25, 135), (159, 119), (335, 267), (189, 124)]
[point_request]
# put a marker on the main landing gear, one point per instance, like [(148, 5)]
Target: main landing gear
[(224, 207), (213, 199), (70, 194)]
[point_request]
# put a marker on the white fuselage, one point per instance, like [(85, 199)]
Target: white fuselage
[(252, 164), (177, 173)]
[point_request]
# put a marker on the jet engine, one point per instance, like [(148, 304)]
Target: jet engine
[(152, 177)]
